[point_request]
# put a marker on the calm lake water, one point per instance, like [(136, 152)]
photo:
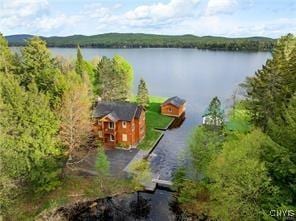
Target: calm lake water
[(195, 75)]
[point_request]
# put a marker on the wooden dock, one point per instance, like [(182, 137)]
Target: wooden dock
[(163, 183), (155, 181)]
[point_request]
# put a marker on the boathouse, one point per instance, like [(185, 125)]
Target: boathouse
[(173, 106)]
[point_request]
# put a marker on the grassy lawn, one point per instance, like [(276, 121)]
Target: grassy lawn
[(73, 189), (154, 120)]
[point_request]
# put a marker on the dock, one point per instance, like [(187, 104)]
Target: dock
[(144, 154)]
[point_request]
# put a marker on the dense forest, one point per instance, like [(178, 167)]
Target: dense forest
[(129, 40), (245, 168), (45, 126)]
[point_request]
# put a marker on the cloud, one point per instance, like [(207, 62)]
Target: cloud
[(19, 12), (160, 13), (221, 6), (199, 17), (47, 24), (33, 16), (215, 7)]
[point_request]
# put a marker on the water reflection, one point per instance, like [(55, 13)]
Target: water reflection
[(157, 206)]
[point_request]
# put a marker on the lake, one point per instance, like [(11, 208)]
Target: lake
[(192, 74)]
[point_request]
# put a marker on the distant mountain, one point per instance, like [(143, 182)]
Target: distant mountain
[(17, 39), (139, 40)]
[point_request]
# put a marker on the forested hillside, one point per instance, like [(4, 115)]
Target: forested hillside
[(129, 40)]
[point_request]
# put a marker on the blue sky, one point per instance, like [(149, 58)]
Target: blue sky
[(231, 18)]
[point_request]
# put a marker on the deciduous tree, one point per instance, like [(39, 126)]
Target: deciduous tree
[(141, 172), (240, 188), (75, 117)]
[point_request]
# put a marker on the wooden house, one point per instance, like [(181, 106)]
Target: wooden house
[(119, 124), (173, 106)]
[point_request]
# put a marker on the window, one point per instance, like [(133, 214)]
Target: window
[(170, 109), (124, 137), (123, 124), (111, 125), (111, 137), (100, 134)]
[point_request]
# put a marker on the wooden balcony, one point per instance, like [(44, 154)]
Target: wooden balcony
[(109, 131)]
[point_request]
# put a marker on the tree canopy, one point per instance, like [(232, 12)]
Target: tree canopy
[(114, 78), (137, 40), (29, 148), (247, 167)]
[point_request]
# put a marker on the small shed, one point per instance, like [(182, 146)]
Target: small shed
[(173, 106), (210, 119)]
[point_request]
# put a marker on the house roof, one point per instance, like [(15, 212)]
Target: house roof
[(117, 110), (176, 101)]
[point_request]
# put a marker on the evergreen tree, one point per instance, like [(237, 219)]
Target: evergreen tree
[(37, 66), (215, 112), (102, 164), (6, 58), (79, 62), (104, 79), (270, 90), (114, 79), (97, 81), (8, 185), (29, 148), (143, 94), (281, 159)]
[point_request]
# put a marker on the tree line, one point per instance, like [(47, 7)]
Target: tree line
[(246, 168), (130, 40), (45, 113)]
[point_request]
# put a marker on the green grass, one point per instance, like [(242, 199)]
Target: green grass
[(150, 138), (154, 120)]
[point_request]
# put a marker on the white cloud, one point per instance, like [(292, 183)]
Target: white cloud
[(160, 13), (215, 7), (199, 17), (32, 16), (48, 24), (221, 6), (274, 27), (97, 10), (19, 12)]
